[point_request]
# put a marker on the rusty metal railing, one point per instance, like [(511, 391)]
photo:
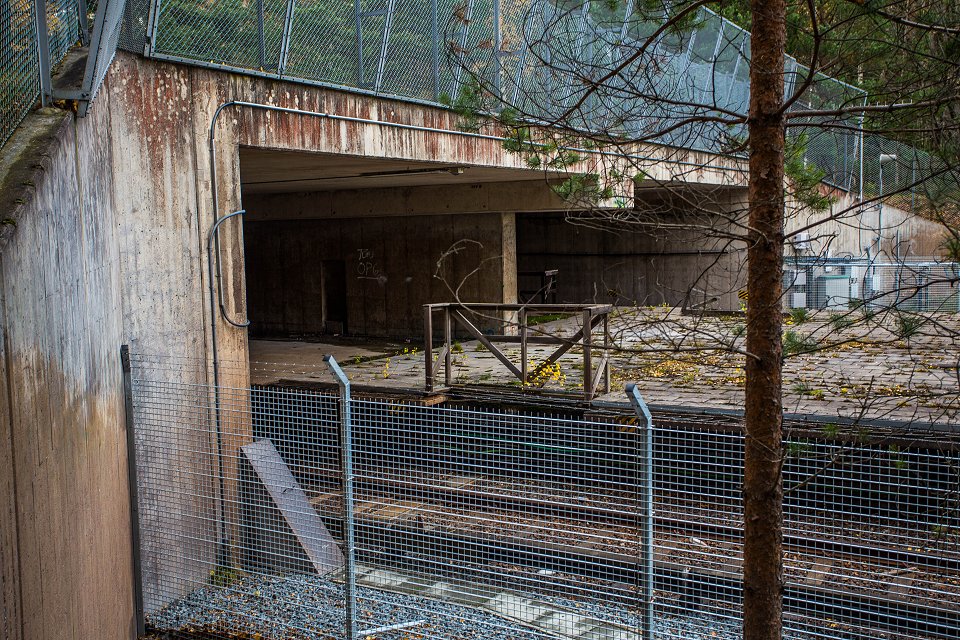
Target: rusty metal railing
[(513, 321)]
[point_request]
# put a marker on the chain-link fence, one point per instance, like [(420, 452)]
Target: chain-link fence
[(287, 511), (35, 40), (19, 57), (18, 64), (529, 55)]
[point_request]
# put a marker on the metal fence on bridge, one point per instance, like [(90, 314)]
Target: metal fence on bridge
[(529, 52), (19, 61), (285, 511), (35, 40)]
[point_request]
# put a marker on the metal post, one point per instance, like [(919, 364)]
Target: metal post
[(43, 51), (913, 184), (359, 28), (428, 347), (435, 34), (464, 32), (153, 18), (84, 23), (525, 48), (880, 211), (522, 318), (223, 546), (884, 157), (587, 364), (263, 41), (285, 41), (384, 44), (646, 500), (133, 493), (448, 352), (346, 456), (606, 352), (497, 43), (863, 151)]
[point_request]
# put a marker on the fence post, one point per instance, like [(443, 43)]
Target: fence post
[(43, 50), (132, 490), (448, 342), (346, 456), (428, 347), (435, 37), (587, 362), (84, 23), (285, 40), (646, 500), (497, 43)]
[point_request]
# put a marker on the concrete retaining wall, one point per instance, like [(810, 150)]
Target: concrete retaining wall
[(389, 268), (846, 228), (64, 517), (672, 252)]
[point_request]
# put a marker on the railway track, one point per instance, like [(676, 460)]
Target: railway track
[(391, 531), (482, 500)]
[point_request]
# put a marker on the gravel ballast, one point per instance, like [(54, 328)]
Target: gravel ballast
[(301, 607)]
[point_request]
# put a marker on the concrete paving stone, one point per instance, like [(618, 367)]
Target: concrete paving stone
[(566, 623), (381, 578), (415, 585), (608, 632), (921, 366), (399, 511), (517, 607), (472, 595)]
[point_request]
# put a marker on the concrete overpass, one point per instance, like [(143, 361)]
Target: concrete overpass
[(106, 244), (352, 199)]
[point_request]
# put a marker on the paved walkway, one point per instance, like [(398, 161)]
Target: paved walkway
[(846, 366)]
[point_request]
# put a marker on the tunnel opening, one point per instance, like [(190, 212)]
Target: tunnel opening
[(345, 251)]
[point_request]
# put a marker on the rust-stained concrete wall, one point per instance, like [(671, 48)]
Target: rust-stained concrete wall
[(392, 267), (846, 228), (64, 511)]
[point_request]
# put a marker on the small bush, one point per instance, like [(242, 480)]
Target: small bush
[(796, 344), (908, 325), (799, 315), (801, 388), (841, 321)]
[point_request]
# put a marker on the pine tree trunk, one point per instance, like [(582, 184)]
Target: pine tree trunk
[(762, 487)]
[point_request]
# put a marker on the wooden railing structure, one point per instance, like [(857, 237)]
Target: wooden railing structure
[(515, 329)]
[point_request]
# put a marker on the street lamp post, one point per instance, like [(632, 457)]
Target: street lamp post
[(884, 157)]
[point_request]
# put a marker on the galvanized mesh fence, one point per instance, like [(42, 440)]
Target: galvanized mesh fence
[(18, 64), (916, 285), (530, 55), (30, 55), (466, 520), (19, 61)]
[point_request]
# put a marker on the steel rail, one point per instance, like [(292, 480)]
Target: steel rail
[(482, 499)]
